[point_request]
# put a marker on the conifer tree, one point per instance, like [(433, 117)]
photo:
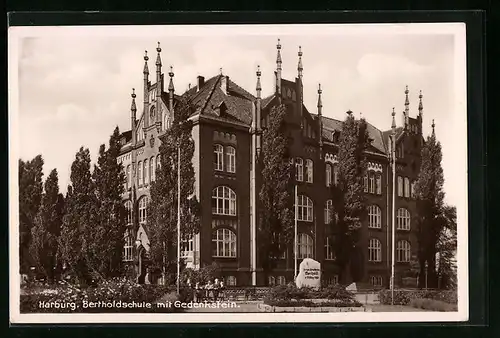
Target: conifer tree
[(348, 195), (80, 218), (276, 215), (30, 197), (430, 195), (106, 248), (162, 210), (45, 233), (447, 249)]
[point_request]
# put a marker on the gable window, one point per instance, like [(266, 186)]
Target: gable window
[(299, 169), (403, 219), (309, 171), (223, 201), (374, 217), (375, 250), (218, 157), (304, 209), (328, 174), (230, 159)]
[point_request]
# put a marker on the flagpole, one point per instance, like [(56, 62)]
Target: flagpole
[(178, 218), (393, 215), (295, 233)]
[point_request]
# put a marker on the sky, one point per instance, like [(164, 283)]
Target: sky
[(74, 84)]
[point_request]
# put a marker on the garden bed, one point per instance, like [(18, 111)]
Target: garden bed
[(319, 308)]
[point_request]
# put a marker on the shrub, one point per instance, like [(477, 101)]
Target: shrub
[(290, 295), (404, 297), (308, 303), (432, 304)]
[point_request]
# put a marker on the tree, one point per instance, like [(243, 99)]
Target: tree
[(45, 233), (447, 249), (162, 211), (430, 195), (79, 220), (106, 247), (30, 197), (275, 197), (348, 195)]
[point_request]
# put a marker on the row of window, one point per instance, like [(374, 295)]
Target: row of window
[(224, 158), (146, 172), (372, 183), (405, 188)]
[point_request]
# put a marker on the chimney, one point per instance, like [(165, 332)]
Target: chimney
[(224, 84), (201, 82)]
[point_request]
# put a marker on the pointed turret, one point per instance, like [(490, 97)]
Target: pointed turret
[(300, 68), (407, 109), (420, 106), (393, 125), (133, 116), (171, 90), (146, 86), (320, 121), (278, 68), (159, 86)]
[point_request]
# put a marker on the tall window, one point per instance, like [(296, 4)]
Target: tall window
[(407, 187), (299, 168), (374, 217), (129, 178), (379, 184), (127, 247), (403, 251), (403, 219), (372, 183), (365, 183), (143, 204), (139, 174), (305, 246), (231, 281), (223, 243), (304, 209), (335, 174), (128, 207), (328, 211), (412, 190), (400, 186), (218, 157), (152, 169), (309, 171), (158, 163), (376, 280), (375, 250), (230, 159), (187, 248), (146, 176), (328, 174), (329, 250), (223, 201)]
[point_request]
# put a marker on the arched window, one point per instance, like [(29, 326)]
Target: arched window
[(403, 251), (127, 247), (375, 250), (400, 186), (365, 183), (152, 169), (223, 201), (305, 245), (231, 281), (374, 217), (328, 211), (371, 183), (309, 171), (335, 174), (376, 280), (329, 250), (328, 175), (218, 157), (281, 280), (128, 207), (379, 184), (223, 243), (230, 159), (304, 209), (128, 178), (143, 204), (299, 168), (139, 174), (407, 187), (145, 172), (403, 219), (271, 281)]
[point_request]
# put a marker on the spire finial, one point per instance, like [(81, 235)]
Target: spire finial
[(433, 125), (158, 49), (259, 87), (133, 106), (158, 58), (393, 126), (320, 103), (133, 93), (171, 84), (349, 112), (146, 57), (420, 105), (300, 68), (407, 101), (278, 57)]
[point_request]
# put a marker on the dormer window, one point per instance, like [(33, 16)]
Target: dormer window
[(220, 109)]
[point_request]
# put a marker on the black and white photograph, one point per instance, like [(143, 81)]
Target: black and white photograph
[(238, 173)]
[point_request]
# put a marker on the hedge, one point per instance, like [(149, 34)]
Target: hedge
[(432, 304), (404, 297), (290, 295), (308, 303)]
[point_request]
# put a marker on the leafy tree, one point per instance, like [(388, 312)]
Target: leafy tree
[(45, 233), (106, 247), (81, 216), (348, 196), (447, 249), (162, 211), (276, 215), (30, 197), (430, 195)]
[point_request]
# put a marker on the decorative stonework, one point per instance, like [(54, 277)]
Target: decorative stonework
[(376, 167), (220, 136), (331, 158)]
